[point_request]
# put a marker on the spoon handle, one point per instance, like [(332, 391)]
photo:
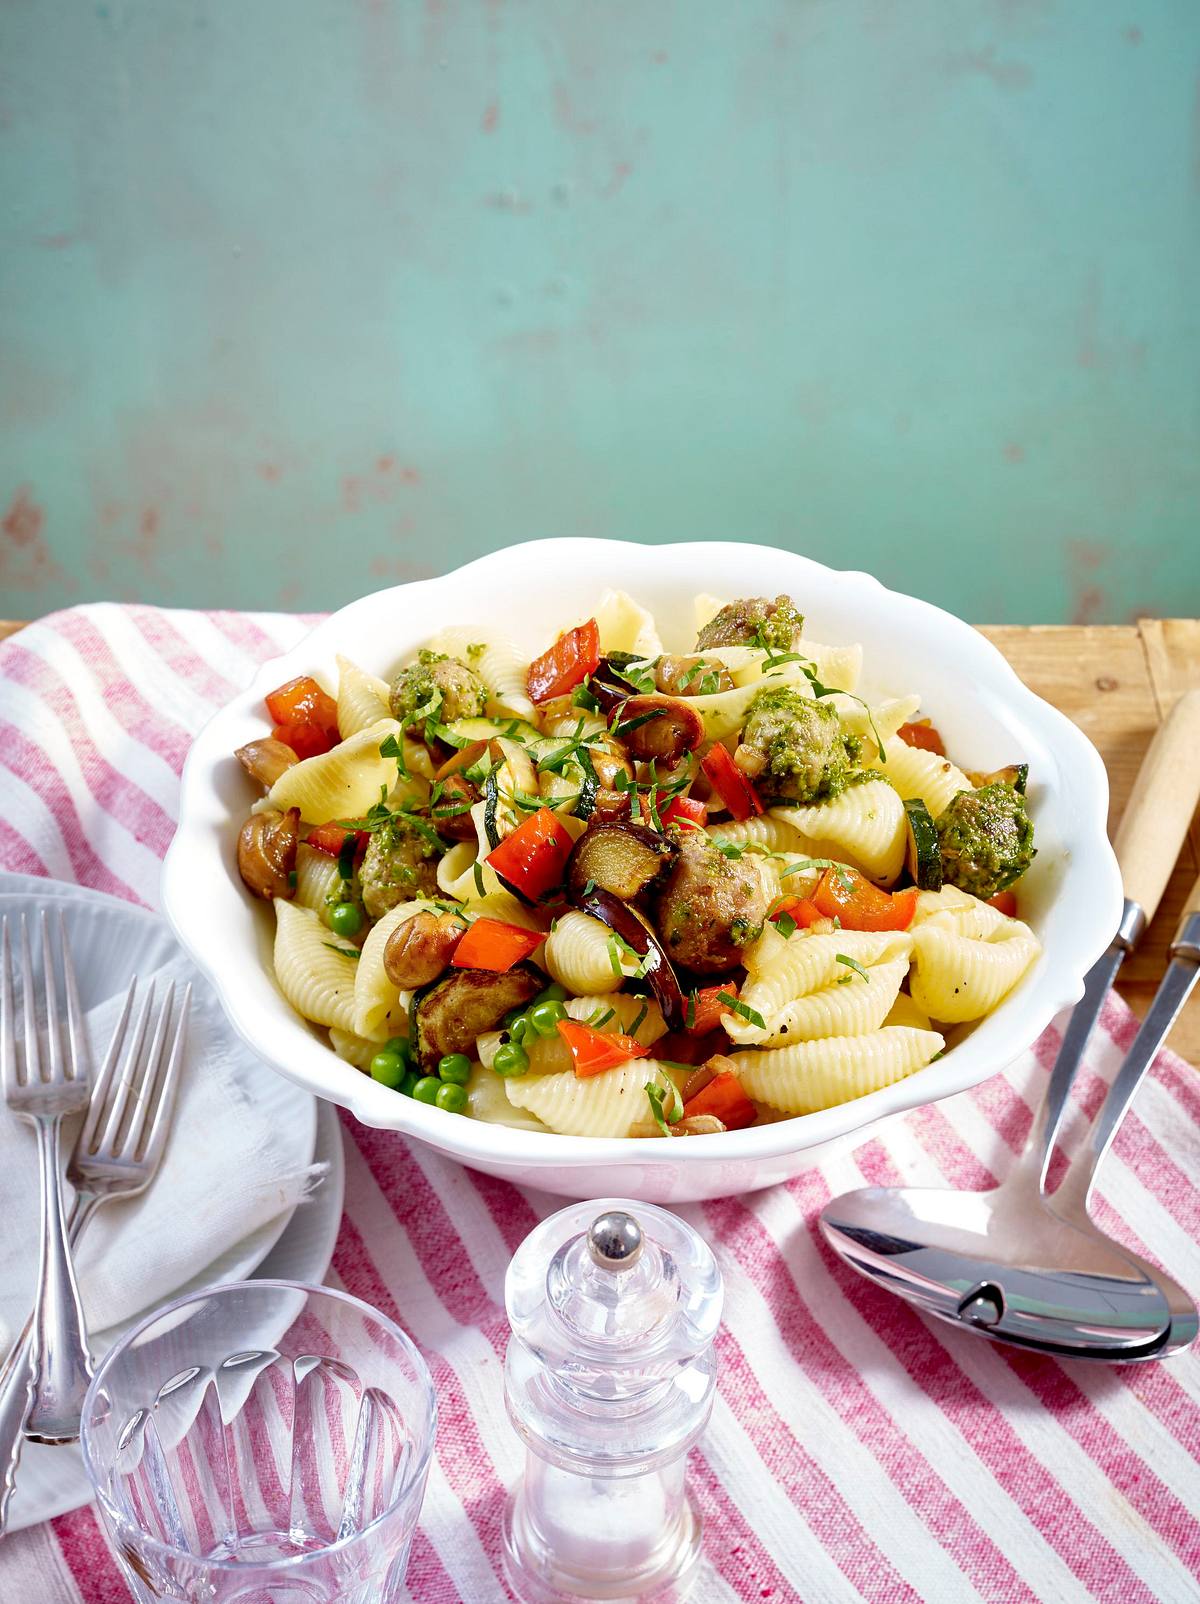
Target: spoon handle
[(1147, 843), (1174, 990)]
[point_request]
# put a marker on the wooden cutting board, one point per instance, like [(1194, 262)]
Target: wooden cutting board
[(1117, 682)]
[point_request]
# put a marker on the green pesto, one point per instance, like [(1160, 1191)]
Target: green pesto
[(809, 756), (986, 839), (436, 686), (400, 863), (754, 621)]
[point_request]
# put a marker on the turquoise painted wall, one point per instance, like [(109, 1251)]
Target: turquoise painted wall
[(300, 297)]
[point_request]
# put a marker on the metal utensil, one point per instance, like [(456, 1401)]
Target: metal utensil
[(116, 1155), (44, 1088), (1009, 1263)]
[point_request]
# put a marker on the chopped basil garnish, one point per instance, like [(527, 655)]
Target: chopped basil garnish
[(735, 1004)]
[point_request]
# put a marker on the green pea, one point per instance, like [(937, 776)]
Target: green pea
[(511, 1018), (552, 993), (397, 1044), (455, 1068), (388, 1069), (452, 1098), (519, 1029), (426, 1089), (409, 1083), (510, 1059), (345, 919), (544, 1016)]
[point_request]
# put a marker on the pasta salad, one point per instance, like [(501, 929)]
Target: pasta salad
[(617, 891)]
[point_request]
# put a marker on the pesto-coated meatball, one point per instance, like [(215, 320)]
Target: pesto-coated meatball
[(795, 749), (755, 621), (439, 687), (986, 837), (400, 863), (711, 906)]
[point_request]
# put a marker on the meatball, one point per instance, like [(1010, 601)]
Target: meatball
[(400, 863), (711, 906), (795, 749), (754, 621), (437, 686), (986, 838)]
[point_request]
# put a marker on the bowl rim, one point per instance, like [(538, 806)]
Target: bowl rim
[(1092, 879)]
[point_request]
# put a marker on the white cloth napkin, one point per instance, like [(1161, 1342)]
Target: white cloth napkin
[(232, 1165)]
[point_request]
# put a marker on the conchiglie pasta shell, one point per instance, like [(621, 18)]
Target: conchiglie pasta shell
[(865, 825), (378, 1004), (318, 882), (579, 956), (805, 963), (850, 1006), (626, 626), (917, 773), (610, 1104), (488, 1100), (341, 784), (820, 1074), (352, 1049), (769, 830), (315, 978), (956, 977), (905, 1012), (625, 1007), (362, 698)]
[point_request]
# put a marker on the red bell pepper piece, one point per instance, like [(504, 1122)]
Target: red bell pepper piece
[(331, 838), (593, 1051), (800, 909), (1004, 902), (922, 734), (703, 1011), (569, 661), (845, 895), (302, 701), (684, 810), (491, 944), (532, 859), (724, 1097), (730, 784)]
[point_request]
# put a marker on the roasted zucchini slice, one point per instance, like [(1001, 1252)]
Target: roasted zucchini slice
[(923, 855)]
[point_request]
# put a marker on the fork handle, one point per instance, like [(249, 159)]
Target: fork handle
[(61, 1365), (15, 1374)]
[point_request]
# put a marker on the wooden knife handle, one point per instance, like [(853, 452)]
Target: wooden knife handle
[(1192, 905), (1161, 805)]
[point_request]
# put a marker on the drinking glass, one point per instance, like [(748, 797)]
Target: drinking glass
[(262, 1442)]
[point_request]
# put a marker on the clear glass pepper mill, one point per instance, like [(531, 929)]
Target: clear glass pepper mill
[(609, 1380)]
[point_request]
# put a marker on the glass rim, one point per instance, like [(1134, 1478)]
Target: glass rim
[(417, 1470)]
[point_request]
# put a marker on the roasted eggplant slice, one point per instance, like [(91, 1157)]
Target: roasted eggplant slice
[(1014, 774), (449, 1015), (626, 859), (604, 906), (659, 729)]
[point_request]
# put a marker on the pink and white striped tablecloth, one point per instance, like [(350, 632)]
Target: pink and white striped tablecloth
[(856, 1451)]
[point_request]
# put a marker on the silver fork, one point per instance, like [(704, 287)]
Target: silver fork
[(45, 1087), (116, 1155)]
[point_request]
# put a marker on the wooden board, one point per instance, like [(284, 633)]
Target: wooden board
[(1116, 682)]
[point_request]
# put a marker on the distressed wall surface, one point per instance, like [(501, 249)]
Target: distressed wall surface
[(300, 297)]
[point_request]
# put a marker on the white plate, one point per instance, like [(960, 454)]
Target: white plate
[(110, 941), (51, 1481), (1071, 896)]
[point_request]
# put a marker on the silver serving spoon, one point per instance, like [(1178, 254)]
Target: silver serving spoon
[(1011, 1263)]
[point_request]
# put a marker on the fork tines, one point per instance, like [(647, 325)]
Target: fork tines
[(65, 1063), (131, 1104)]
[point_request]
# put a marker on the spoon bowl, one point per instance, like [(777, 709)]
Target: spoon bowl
[(1003, 1264)]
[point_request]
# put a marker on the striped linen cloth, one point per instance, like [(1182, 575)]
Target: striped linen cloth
[(856, 1452)]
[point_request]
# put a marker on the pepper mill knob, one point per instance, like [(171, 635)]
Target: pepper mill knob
[(615, 1240), (609, 1380)]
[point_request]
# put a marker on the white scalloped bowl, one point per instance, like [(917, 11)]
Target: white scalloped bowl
[(1071, 896)]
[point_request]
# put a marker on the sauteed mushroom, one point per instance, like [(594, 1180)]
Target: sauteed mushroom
[(265, 760), (418, 950), (266, 852), (660, 729)]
